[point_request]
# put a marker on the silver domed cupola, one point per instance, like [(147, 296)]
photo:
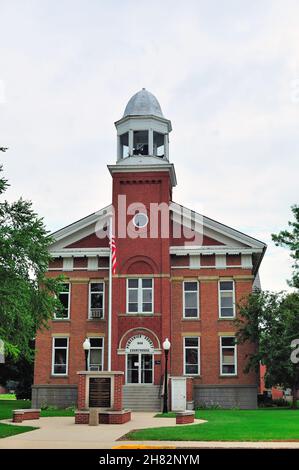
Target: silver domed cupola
[(143, 131), (143, 103)]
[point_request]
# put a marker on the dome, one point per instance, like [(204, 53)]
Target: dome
[(143, 103)]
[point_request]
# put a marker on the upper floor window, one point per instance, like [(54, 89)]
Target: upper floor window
[(96, 300), (64, 296), (124, 145), (60, 349), (226, 299), (140, 143), (140, 295), (228, 355), (95, 357), (158, 141), (192, 355), (191, 307)]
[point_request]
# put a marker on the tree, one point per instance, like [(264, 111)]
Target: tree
[(270, 321), (290, 239), (20, 371), (27, 297)]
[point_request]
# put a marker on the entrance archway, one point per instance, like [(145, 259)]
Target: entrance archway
[(139, 360)]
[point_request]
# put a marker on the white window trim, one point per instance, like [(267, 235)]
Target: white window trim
[(184, 356), (139, 299), (235, 357), (67, 355), (89, 298), (69, 304), (197, 300), (219, 299), (102, 348)]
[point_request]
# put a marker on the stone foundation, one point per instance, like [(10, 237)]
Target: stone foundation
[(62, 396), (226, 396)]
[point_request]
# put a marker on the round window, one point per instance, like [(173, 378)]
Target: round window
[(140, 220)]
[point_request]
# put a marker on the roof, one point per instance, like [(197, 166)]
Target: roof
[(143, 103)]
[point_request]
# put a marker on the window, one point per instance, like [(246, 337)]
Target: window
[(124, 145), (64, 297), (190, 300), (140, 143), (140, 220), (95, 358), (96, 300), (158, 140), (226, 299), (60, 356), (191, 356), (228, 355), (140, 295)]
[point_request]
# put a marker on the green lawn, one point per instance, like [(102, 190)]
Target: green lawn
[(230, 425), (7, 396), (8, 405)]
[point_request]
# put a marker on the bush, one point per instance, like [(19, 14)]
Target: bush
[(280, 402)]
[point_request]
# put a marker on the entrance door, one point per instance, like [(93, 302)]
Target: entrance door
[(139, 368)]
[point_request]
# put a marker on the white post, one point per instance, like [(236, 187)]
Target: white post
[(110, 298)]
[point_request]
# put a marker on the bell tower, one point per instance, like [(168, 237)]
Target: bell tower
[(143, 179), (143, 130), (143, 139)]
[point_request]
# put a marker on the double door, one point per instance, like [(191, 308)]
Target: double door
[(139, 368)]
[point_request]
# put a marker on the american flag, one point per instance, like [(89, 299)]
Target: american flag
[(113, 253)]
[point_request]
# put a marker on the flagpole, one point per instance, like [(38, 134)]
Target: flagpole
[(110, 297)]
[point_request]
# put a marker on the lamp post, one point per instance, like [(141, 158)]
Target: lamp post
[(166, 347), (86, 347)]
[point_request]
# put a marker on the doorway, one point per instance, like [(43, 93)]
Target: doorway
[(139, 368)]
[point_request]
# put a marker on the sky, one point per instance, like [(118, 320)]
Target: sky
[(225, 73)]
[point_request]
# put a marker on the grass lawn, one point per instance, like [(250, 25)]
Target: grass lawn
[(230, 425), (8, 405), (7, 396)]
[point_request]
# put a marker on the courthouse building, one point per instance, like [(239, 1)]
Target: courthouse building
[(177, 275)]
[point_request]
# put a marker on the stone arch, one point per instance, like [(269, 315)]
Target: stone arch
[(142, 330), (143, 265)]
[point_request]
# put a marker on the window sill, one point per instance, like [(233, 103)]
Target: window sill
[(59, 320), (194, 376), (226, 318), (228, 376), (191, 319), (139, 315), (95, 319), (54, 376)]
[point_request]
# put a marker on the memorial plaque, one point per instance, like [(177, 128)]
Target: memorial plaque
[(100, 392)]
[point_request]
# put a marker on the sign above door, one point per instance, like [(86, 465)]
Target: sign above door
[(140, 344)]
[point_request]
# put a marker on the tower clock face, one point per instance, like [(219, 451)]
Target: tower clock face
[(140, 220)]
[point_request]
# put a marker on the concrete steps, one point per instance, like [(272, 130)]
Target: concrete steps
[(142, 397)]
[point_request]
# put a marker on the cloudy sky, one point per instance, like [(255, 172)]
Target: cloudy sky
[(225, 73)]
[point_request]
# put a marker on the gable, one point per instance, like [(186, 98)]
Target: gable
[(90, 241)]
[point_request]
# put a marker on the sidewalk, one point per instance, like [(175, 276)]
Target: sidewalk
[(62, 433)]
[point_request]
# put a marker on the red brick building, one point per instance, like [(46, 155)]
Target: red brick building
[(179, 275)]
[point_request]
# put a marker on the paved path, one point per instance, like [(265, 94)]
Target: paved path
[(62, 433)]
